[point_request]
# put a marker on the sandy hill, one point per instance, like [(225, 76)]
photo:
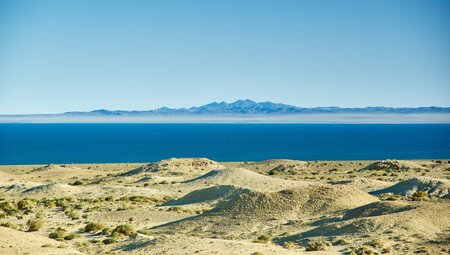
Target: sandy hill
[(423, 220), (188, 245), (52, 190), (364, 183), (244, 178), (17, 242), (434, 187), (398, 165), (177, 166), (286, 165), (209, 195), (251, 208)]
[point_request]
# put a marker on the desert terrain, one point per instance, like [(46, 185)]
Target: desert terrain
[(199, 206)]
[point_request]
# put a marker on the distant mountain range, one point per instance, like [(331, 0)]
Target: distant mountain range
[(249, 107)]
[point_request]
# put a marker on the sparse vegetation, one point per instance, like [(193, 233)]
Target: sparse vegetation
[(77, 182), (125, 229), (290, 245), (35, 224), (93, 227), (109, 241), (57, 234), (318, 246), (263, 239), (420, 196), (26, 204), (363, 250), (71, 236)]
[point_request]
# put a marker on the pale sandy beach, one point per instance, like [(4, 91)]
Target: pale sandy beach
[(199, 206)]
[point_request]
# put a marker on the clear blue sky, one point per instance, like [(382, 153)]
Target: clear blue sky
[(58, 56)]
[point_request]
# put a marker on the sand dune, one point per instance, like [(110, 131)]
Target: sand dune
[(423, 220), (251, 208), (209, 195), (243, 178), (434, 187), (177, 165), (399, 165)]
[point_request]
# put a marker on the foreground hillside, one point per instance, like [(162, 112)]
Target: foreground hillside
[(199, 206)]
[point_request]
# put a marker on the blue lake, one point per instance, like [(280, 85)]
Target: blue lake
[(101, 143)]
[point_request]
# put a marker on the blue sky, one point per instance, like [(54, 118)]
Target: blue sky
[(58, 56)]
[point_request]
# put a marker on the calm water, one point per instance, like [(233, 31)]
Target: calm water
[(89, 143)]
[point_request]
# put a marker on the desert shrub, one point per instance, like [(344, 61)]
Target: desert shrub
[(386, 250), (127, 230), (274, 172), (257, 253), (363, 250), (142, 199), (109, 198), (58, 234), (109, 241), (49, 203), (174, 209), (289, 245), (106, 231), (115, 235), (76, 183), (72, 214), (35, 224), (318, 246), (263, 239), (8, 207), (420, 196), (93, 227), (9, 224), (377, 243), (341, 241), (26, 204), (167, 198), (71, 236), (391, 197)]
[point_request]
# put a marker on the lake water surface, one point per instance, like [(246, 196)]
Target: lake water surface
[(100, 143)]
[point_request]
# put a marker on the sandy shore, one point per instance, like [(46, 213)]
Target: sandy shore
[(199, 206)]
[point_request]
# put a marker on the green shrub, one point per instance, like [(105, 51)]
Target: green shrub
[(274, 172), (26, 204), (8, 207), (106, 231), (9, 224), (77, 182), (263, 239), (58, 234), (109, 241), (318, 246), (289, 245), (420, 196), (71, 236), (377, 243), (127, 230), (49, 203), (363, 250), (35, 224), (93, 227)]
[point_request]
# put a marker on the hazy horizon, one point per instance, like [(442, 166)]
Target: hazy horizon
[(60, 56), (230, 102)]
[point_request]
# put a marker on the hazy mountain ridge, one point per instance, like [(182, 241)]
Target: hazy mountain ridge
[(251, 107)]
